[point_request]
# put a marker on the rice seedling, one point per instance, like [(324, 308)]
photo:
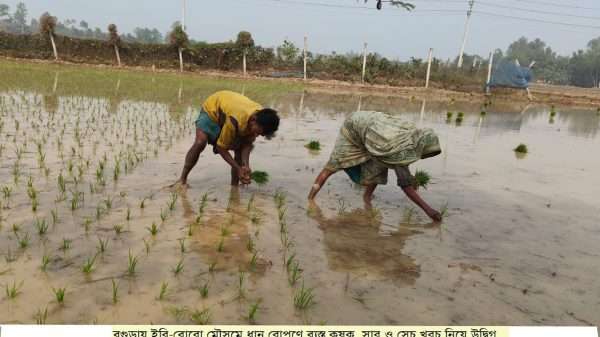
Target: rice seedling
[(12, 291), (225, 231), (45, 262), (294, 273), (146, 246), (108, 202), (102, 245), (483, 113), (181, 245), (421, 179), (279, 198), (41, 316), (212, 267), (128, 214), (250, 245), (304, 298), (54, 215), (449, 115), (260, 177), (9, 256), (459, 119), (552, 111), (77, 198), (87, 223), (88, 265), (41, 226), (203, 202), (172, 201), (23, 241), (178, 268), (132, 264), (255, 218), (252, 312), (521, 148), (118, 229), (444, 210), (16, 228), (6, 192), (163, 215), (313, 145), (153, 229), (163, 291), (241, 279), (115, 291), (66, 244), (221, 245), (59, 294), (200, 317), (204, 290), (253, 261)]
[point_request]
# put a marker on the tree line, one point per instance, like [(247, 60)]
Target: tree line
[(581, 68)]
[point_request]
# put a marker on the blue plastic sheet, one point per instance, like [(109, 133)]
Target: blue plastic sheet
[(508, 74)]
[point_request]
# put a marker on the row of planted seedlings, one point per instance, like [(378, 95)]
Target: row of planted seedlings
[(303, 297), (21, 110)]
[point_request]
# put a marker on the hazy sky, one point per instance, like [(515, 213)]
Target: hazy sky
[(392, 32)]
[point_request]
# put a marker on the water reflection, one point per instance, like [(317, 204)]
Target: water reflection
[(355, 243)]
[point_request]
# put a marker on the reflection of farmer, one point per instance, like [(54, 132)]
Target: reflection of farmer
[(369, 144), (230, 122), (354, 243)]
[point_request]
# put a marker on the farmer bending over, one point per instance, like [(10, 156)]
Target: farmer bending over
[(230, 122), (369, 144)]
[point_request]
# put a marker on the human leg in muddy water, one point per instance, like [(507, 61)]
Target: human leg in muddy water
[(409, 190), (192, 157)]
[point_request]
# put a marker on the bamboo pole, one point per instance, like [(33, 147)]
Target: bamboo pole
[(118, 56), (364, 65), (53, 47), (180, 60), (428, 67)]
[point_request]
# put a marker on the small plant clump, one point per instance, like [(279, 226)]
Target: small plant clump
[(521, 148), (59, 294), (200, 317), (313, 145), (422, 179), (260, 177), (304, 298)]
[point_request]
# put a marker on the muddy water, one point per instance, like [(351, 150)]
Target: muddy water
[(519, 245)]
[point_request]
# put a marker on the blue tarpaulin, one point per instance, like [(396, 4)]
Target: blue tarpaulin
[(508, 74)]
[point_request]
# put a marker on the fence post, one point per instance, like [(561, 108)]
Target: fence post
[(429, 57), (364, 65), (305, 48), (489, 75)]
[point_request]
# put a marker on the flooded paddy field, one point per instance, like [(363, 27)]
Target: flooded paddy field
[(91, 233)]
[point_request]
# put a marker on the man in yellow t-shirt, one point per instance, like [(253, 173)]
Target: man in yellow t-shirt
[(230, 122)]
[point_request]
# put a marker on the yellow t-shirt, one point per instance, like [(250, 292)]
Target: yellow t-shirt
[(231, 104)]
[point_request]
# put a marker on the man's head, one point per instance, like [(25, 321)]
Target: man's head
[(264, 122)]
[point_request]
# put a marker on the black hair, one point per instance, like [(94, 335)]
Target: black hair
[(269, 121)]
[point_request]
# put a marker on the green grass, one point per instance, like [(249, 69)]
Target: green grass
[(12, 291), (153, 229), (163, 291), (204, 290), (304, 298), (521, 148), (313, 145), (260, 177), (178, 268), (132, 264), (201, 317), (115, 291), (422, 178), (23, 240), (41, 226), (252, 311), (45, 262), (88, 265), (59, 294), (102, 245)]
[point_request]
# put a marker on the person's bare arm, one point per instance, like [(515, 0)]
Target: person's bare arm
[(412, 194), (319, 182), (229, 159)]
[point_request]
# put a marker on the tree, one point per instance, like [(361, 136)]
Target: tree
[(4, 11), (179, 39), (244, 41), (546, 60), (287, 52), (20, 17), (115, 40), (147, 35), (47, 26), (84, 25)]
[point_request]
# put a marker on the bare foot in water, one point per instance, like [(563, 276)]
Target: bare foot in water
[(179, 185)]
